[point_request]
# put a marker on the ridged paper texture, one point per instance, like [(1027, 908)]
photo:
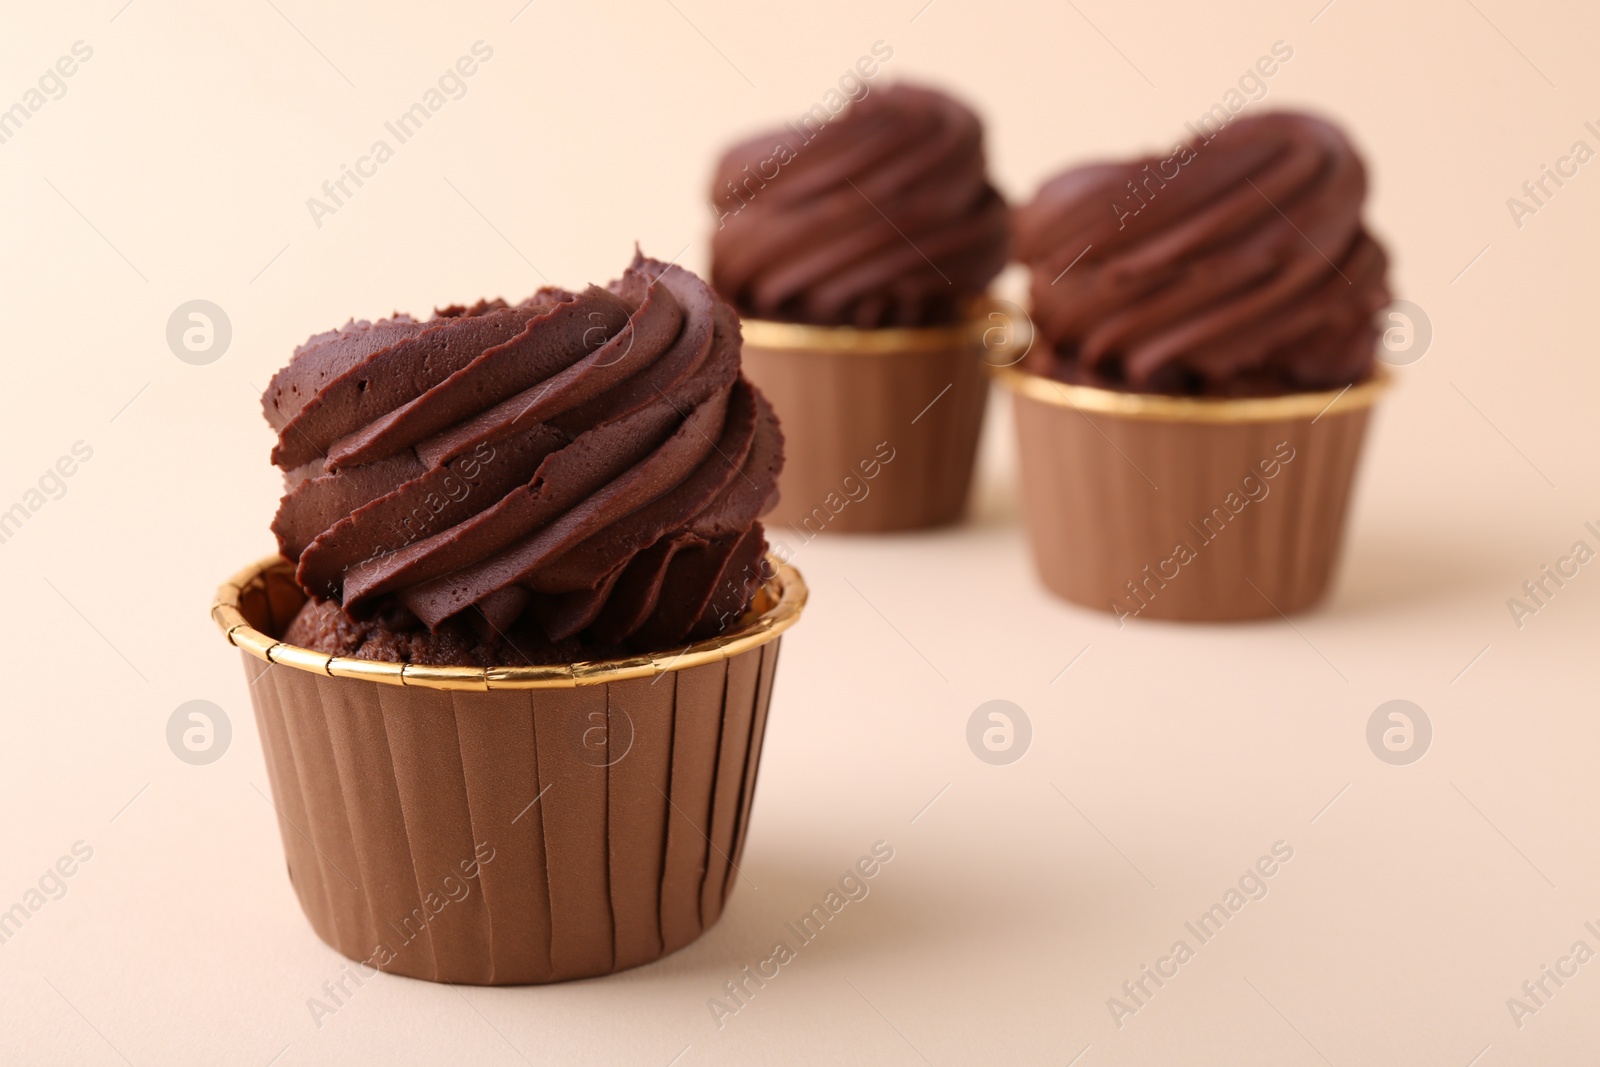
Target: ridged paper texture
[(514, 836), (1189, 520), (843, 411)]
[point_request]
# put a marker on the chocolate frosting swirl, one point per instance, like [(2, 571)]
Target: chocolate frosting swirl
[(1236, 266), (585, 465), (882, 217)]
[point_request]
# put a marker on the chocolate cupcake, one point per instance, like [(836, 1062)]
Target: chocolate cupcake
[(1193, 406), (527, 625), (858, 250)]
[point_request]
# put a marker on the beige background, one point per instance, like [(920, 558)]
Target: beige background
[(1163, 762)]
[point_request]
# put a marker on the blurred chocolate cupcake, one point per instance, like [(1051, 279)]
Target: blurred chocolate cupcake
[(527, 628), (857, 250), (1193, 406)]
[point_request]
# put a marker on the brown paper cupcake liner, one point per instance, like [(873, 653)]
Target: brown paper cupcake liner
[(509, 825), (880, 426), (1195, 509)]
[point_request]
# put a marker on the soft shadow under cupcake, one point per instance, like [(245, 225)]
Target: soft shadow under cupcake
[(1398, 569)]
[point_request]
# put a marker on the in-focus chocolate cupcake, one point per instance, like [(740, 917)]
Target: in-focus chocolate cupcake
[(857, 250), (1193, 406), (525, 628)]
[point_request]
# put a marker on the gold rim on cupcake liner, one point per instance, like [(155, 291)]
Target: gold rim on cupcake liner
[(777, 607), (1288, 408), (854, 341)]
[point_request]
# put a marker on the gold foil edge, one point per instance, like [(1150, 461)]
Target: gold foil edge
[(456, 679), (855, 341), (371, 670), (253, 641), (226, 616), (1293, 407), (557, 676), (301, 658), (618, 670), (785, 594)]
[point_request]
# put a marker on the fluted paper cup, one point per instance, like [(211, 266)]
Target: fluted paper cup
[(509, 825), (880, 426), (1187, 508)]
